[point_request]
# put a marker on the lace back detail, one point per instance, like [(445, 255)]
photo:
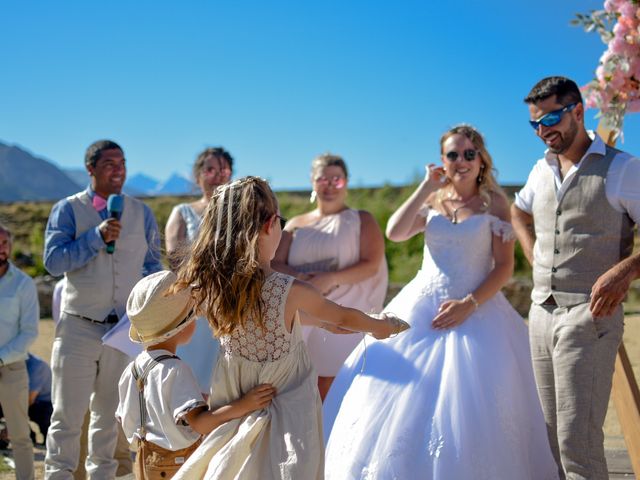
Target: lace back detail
[(272, 343), (502, 229)]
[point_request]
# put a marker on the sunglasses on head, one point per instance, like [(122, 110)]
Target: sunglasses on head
[(335, 181), (552, 118), (469, 155)]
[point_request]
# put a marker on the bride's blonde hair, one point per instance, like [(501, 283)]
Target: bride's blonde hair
[(223, 267), (487, 183)]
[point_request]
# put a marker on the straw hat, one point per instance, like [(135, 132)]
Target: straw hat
[(156, 315)]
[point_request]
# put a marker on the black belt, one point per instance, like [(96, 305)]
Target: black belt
[(111, 318)]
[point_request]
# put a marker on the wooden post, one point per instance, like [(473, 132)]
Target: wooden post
[(626, 399), (625, 393)]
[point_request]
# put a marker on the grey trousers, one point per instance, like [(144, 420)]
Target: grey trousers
[(85, 376), (573, 359), (14, 397)]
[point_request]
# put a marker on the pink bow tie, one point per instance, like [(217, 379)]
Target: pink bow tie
[(99, 203)]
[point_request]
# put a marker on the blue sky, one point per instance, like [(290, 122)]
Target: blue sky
[(279, 82)]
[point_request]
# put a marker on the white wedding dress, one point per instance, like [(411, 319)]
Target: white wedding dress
[(442, 405)]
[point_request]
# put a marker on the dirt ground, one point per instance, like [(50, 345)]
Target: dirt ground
[(613, 432)]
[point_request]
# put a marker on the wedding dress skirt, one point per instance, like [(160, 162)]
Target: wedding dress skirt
[(451, 404)]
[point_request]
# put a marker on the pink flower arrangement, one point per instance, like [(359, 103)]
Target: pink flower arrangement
[(615, 90)]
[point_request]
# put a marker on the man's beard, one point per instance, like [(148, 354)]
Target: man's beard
[(567, 139)]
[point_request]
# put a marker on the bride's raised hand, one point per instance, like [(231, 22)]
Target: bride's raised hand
[(435, 175), (453, 313)]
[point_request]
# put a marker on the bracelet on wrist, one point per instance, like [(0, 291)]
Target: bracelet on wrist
[(473, 300)]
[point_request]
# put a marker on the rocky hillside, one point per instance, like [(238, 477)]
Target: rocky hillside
[(26, 177)]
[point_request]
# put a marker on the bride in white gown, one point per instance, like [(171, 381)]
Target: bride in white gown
[(454, 397)]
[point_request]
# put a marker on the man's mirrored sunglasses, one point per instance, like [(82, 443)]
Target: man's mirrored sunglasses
[(552, 118)]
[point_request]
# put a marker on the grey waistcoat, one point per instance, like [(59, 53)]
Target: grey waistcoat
[(104, 283), (578, 237)]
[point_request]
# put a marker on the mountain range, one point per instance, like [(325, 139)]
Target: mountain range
[(26, 177)]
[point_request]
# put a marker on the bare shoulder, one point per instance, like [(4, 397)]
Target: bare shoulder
[(300, 290), (369, 228), (366, 217), (500, 207)]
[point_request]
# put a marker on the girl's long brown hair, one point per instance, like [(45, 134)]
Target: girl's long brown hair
[(223, 265)]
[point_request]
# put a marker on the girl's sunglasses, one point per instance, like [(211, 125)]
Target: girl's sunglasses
[(335, 181), (469, 155), (283, 221), (552, 118)]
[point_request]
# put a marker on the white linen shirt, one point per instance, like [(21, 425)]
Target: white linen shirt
[(170, 391), (19, 315), (622, 185)]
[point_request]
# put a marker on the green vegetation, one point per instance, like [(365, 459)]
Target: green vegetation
[(4, 468), (28, 220)]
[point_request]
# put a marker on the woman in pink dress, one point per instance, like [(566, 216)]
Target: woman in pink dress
[(340, 251)]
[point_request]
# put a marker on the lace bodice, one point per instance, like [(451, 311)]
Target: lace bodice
[(458, 257), (272, 343)]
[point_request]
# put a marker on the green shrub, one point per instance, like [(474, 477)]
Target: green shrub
[(28, 220)]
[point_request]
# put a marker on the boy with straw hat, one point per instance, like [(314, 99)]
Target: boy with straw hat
[(161, 408)]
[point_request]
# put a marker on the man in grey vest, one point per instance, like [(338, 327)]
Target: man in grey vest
[(574, 219), (98, 282)]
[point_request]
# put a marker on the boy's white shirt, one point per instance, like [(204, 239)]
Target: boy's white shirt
[(171, 390)]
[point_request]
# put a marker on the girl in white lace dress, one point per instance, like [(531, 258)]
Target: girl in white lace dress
[(255, 313), (454, 398)]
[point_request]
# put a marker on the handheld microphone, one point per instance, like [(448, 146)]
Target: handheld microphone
[(114, 207)]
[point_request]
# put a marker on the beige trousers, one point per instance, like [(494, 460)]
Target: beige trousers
[(122, 455), (573, 358), (85, 377), (14, 397)]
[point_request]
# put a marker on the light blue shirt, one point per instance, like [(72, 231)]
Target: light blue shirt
[(63, 252), (19, 315)]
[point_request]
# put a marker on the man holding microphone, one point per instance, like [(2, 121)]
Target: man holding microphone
[(103, 246)]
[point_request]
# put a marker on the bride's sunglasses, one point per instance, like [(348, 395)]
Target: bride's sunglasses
[(552, 118), (469, 155)]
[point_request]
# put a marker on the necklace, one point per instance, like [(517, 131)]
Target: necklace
[(465, 203)]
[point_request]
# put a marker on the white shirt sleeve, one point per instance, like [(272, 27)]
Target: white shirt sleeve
[(56, 302), (623, 188), (524, 198)]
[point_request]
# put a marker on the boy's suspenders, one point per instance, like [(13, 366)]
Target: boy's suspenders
[(163, 463), (141, 378)]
